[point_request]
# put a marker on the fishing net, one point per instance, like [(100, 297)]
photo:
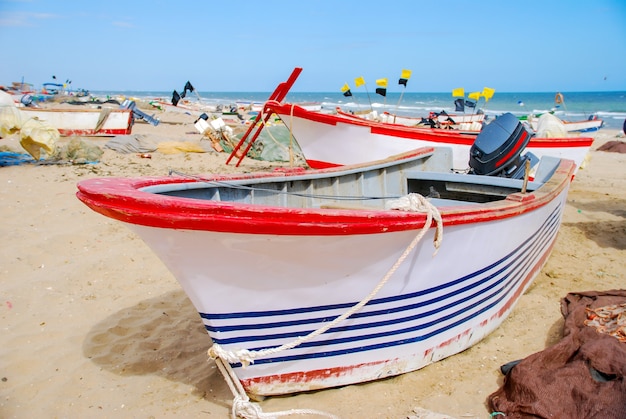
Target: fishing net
[(274, 143), (583, 375), (77, 151)]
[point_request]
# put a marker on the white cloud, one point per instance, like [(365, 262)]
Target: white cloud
[(123, 24), (25, 19)]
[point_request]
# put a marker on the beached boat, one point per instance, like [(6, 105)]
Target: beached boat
[(89, 122), (309, 279), (469, 124), (462, 122), (329, 140), (593, 123)]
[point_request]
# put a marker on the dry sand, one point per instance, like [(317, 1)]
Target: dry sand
[(93, 325)]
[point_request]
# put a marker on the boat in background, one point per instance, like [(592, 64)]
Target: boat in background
[(465, 123), (311, 279), (328, 140), (331, 140), (593, 123), (89, 122)]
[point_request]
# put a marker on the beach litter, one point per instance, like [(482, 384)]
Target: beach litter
[(13, 158), (135, 143)]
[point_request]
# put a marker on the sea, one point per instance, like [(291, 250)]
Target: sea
[(574, 106)]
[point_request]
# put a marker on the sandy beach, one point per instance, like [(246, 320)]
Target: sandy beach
[(93, 324)]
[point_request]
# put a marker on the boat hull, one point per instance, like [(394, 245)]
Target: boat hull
[(462, 122), (88, 122), (250, 294), (331, 140), (588, 125), (264, 268)]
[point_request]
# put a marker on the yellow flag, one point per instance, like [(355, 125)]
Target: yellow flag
[(359, 81), (404, 77), (382, 82), (488, 93), (458, 92), (474, 95), (345, 88)]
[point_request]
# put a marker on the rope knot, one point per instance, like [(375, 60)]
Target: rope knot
[(415, 202), (232, 357), (244, 408)]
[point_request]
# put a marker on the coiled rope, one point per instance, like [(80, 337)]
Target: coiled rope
[(242, 406)]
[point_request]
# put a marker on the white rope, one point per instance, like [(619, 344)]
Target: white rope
[(416, 203), (244, 408)]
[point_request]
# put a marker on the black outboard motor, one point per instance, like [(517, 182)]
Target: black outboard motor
[(497, 150)]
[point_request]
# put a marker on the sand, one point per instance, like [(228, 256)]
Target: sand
[(93, 325)]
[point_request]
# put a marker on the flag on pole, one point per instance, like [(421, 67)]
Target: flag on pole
[(459, 105), (404, 77), (488, 93), (188, 87), (458, 92), (474, 95), (175, 98), (382, 90), (346, 90), (359, 81)]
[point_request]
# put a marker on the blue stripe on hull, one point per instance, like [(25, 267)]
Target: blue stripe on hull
[(500, 280)]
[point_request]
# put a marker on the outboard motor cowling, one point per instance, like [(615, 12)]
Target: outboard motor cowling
[(497, 150)]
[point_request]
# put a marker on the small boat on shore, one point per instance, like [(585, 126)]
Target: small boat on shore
[(311, 279), (593, 123), (328, 140), (88, 122), (466, 123)]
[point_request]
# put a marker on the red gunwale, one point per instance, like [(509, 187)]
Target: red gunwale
[(122, 199), (425, 134), (392, 130)]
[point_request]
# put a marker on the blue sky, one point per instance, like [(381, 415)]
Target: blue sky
[(512, 46)]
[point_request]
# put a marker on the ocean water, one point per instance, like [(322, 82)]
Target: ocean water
[(608, 106)]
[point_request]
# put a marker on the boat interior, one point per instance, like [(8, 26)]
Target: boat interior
[(366, 187)]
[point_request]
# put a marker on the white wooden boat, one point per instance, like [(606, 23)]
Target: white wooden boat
[(593, 123), (330, 140), (462, 122), (88, 122), (306, 279)]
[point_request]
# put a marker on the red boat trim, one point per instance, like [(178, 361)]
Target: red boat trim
[(90, 132), (536, 142), (316, 164), (392, 130), (122, 199), (402, 131)]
